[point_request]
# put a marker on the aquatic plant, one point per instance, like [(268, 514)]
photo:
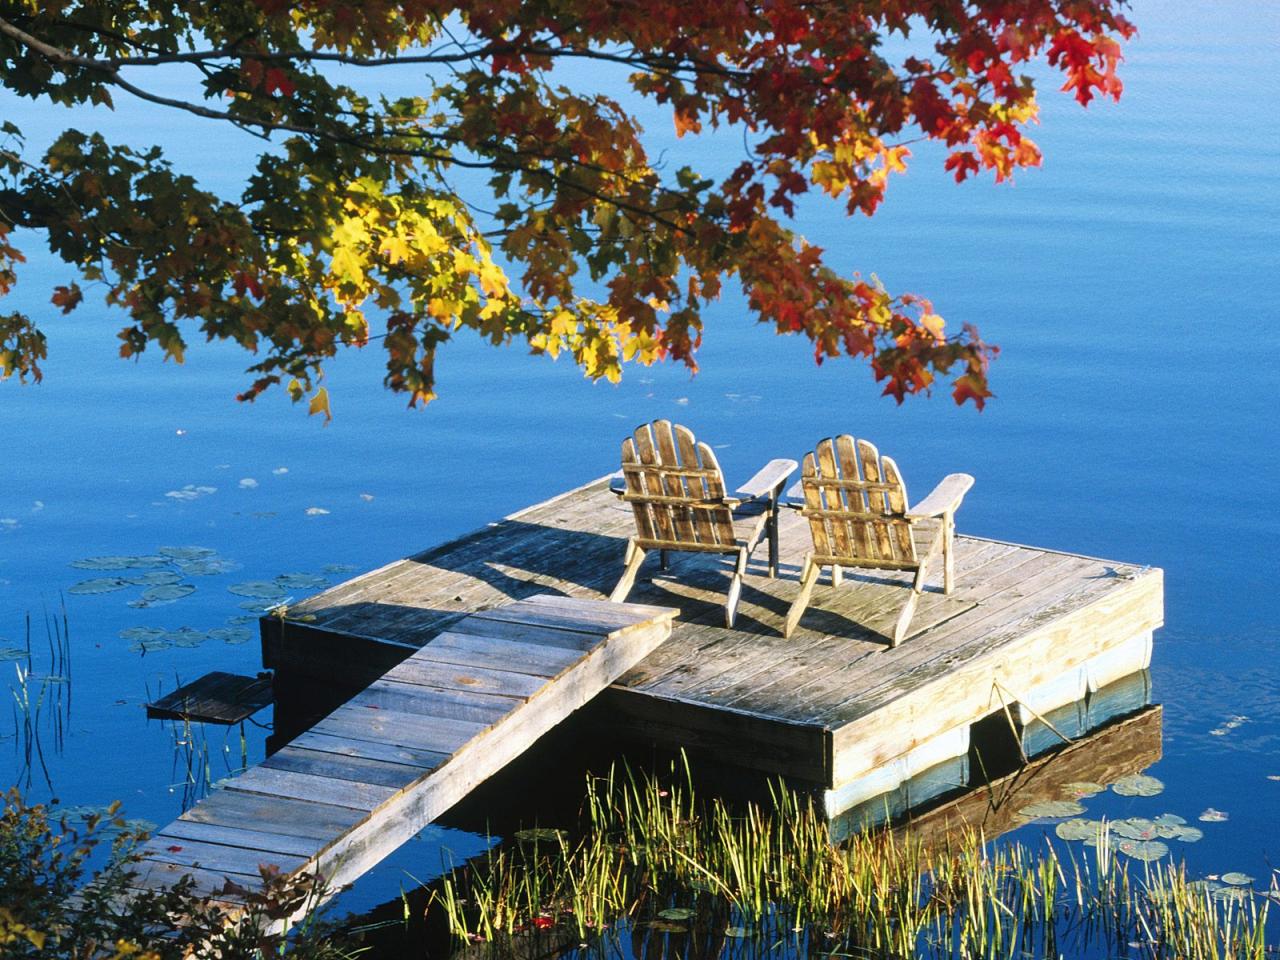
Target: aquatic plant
[(652, 859), (55, 903)]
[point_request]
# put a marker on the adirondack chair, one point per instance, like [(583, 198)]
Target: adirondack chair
[(677, 492), (856, 504)]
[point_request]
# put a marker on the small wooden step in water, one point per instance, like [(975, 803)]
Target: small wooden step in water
[(217, 697), (378, 769)]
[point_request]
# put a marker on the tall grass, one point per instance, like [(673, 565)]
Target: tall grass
[(651, 855)]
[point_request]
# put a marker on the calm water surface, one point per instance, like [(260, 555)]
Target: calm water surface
[(1131, 282)]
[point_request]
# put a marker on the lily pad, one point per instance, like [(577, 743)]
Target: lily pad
[(1138, 785), (738, 933), (1236, 879), (1078, 829), (168, 592), (148, 646), (144, 633), (667, 926), (207, 567), (1214, 816), (1178, 832), (241, 620), (153, 578), (120, 563), (1146, 850), (191, 492), (1051, 808), (1239, 894), (233, 635), (316, 511), (301, 581), (1078, 789), (257, 606), (262, 589), (339, 568), (1170, 820), (99, 585), (186, 637), (1135, 828), (677, 913), (187, 553)]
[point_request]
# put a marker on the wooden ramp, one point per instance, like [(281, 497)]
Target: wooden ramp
[(382, 766)]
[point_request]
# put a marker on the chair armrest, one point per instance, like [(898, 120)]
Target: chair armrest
[(945, 498), (617, 483), (768, 480)]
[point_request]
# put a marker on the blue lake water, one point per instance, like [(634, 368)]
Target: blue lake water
[(1132, 284)]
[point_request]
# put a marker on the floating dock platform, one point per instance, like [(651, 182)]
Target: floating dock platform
[(1029, 634)]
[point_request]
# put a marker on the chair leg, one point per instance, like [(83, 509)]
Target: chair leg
[(903, 623), (837, 575), (634, 557), (735, 585), (948, 553), (808, 577)]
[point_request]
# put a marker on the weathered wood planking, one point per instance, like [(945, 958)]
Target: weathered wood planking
[(381, 767), (217, 697), (832, 701)]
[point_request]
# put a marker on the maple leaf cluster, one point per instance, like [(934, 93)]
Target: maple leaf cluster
[(351, 229)]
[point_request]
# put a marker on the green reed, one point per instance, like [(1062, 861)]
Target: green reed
[(649, 853)]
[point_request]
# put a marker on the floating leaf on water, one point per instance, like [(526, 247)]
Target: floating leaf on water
[(1147, 850), (9, 654), (280, 471), (738, 933), (262, 589), (1081, 788), (367, 497), (1273, 776), (1135, 828), (1137, 785), (141, 562), (187, 553), (1051, 808), (99, 585), (257, 606), (1236, 879), (1170, 820), (1213, 816), (1239, 894), (139, 826), (248, 483), (143, 633), (186, 637), (539, 835), (207, 567), (168, 592), (677, 913), (666, 926), (301, 581), (316, 511), (241, 620), (348, 568), (1174, 831), (233, 635), (1078, 829), (147, 646), (152, 578)]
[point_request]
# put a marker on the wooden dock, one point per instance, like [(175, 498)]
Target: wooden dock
[(1027, 631), (388, 762)]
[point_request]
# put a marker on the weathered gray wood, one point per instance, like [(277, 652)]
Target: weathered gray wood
[(449, 676), (380, 767), (217, 697), (828, 675)]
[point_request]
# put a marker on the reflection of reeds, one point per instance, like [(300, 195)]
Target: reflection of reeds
[(42, 701), (651, 862)]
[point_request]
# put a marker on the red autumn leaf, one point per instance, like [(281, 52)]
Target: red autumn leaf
[(67, 299), (277, 80)]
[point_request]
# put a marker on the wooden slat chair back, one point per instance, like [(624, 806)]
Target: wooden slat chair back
[(856, 503), (678, 496)]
